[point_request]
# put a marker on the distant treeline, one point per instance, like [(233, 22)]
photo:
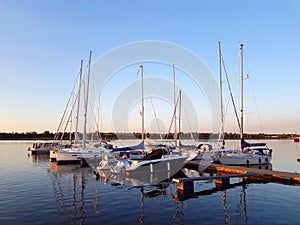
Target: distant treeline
[(114, 136)]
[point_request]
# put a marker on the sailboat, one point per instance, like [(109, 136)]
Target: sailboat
[(205, 150), (169, 146), (53, 151), (87, 152), (155, 161), (249, 153)]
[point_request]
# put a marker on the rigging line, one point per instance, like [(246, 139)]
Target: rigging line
[(226, 110), (66, 125), (71, 124), (131, 92), (224, 120), (174, 114), (189, 125), (70, 115), (231, 95), (95, 121), (154, 112), (65, 110), (254, 97), (233, 80), (156, 119), (68, 120)]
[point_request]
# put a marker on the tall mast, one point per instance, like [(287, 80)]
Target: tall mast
[(86, 99), (179, 116), (143, 108), (78, 103), (98, 122), (71, 120), (174, 95), (242, 93), (221, 93)]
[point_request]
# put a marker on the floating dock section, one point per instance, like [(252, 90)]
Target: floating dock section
[(223, 174), (261, 174)]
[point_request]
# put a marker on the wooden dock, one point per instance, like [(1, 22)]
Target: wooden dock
[(258, 173), (277, 176), (222, 174)]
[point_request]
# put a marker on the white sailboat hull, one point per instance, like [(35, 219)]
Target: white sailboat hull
[(167, 163), (244, 159), (91, 156)]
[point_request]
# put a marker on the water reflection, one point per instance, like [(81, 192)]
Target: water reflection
[(138, 179), (155, 185), (39, 158), (69, 186), (214, 185), (242, 206), (224, 204), (155, 191), (243, 203), (151, 185), (179, 213)]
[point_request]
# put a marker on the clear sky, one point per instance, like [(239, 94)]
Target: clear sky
[(42, 43)]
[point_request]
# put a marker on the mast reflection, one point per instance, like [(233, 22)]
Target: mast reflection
[(150, 185), (69, 186)]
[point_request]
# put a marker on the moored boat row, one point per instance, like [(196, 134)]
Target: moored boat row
[(93, 153)]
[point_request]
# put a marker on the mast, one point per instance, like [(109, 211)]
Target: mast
[(179, 117), (99, 119), (221, 94), (86, 99), (174, 95), (242, 94), (71, 120), (78, 105), (143, 108)]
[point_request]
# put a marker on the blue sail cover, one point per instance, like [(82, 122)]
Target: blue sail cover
[(246, 144), (129, 148)]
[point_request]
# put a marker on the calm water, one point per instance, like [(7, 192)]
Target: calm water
[(35, 191)]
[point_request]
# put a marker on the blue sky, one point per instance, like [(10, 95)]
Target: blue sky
[(42, 43)]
